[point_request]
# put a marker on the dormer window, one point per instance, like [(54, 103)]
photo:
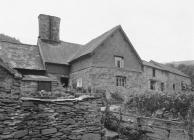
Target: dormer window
[(119, 61)]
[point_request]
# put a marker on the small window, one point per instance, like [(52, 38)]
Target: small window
[(173, 86), (183, 86), (79, 82), (120, 81), (119, 62), (162, 86), (154, 72), (152, 85), (44, 85)]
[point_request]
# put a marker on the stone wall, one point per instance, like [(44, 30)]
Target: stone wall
[(35, 119), (167, 78), (105, 78), (116, 45), (29, 87), (9, 84)]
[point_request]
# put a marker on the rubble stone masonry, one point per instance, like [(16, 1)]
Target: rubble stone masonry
[(36, 119)]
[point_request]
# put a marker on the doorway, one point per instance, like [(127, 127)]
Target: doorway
[(64, 81)]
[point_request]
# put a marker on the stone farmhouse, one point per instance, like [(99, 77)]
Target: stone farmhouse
[(107, 62)]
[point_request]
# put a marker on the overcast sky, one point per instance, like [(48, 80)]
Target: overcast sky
[(162, 30)]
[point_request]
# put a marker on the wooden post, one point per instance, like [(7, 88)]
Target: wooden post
[(190, 122), (139, 123), (120, 119)]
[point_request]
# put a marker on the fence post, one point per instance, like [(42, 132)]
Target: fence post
[(120, 119), (190, 122), (139, 127)]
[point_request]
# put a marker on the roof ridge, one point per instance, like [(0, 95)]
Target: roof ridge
[(97, 39), (108, 31), (71, 43), (17, 43), (166, 67)]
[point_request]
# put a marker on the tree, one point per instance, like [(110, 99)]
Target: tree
[(4, 37), (187, 69)]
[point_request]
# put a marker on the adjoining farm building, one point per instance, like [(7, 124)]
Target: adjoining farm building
[(107, 62)]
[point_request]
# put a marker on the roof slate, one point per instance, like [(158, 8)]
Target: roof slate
[(59, 53), (163, 67), (94, 43), (9, 69), (21, 55)]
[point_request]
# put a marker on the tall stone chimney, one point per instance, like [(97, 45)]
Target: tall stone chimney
[(49, 28)]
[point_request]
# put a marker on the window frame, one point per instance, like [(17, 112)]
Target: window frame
[(119, 59), (121, 81), (173, 86), (152, 84), (41, 82), (79, 83), (153, 72), (162, 86)]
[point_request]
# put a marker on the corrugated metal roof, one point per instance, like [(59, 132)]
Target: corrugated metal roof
[(21, 55), (59, 53)]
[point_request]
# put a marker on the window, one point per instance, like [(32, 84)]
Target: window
[(152, 85), (162, 86), (183, 86), (173, 86), (44, 85), (79, 82), (153, 72), (119, 62), (120, 81)]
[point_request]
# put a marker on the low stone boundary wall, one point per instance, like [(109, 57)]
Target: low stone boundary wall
[(43, 119)]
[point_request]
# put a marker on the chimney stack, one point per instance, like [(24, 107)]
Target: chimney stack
[(49, 28)]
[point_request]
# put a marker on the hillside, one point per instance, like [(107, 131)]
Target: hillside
[(4, 37), (186, 67), (188, 62)]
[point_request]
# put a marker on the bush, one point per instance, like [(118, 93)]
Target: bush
[(150, 103)]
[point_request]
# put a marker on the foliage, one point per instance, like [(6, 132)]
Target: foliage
[(161, 105), (117, 97), (187, 69), (111, 122), (4, 37)]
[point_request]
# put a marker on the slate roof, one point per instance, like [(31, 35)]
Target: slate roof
[(33, 57), (151, 65), (64, 52), (93, 44), (22, 56), (9, 69), (59, 53), (38, 78), (163, 67)]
